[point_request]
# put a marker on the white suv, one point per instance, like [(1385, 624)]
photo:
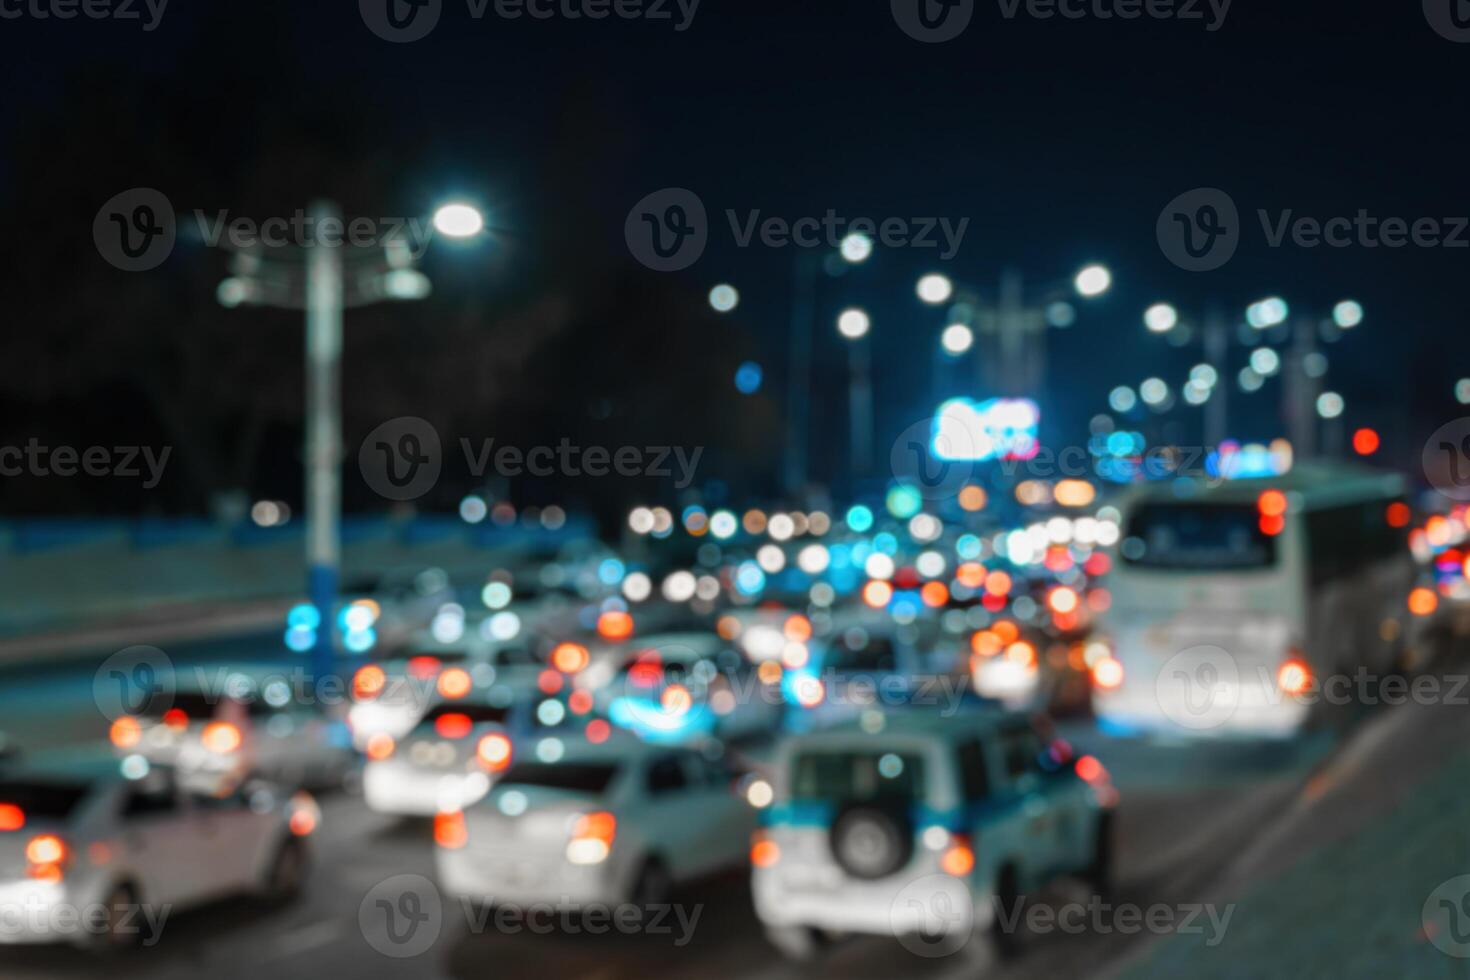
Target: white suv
[(914, 825)]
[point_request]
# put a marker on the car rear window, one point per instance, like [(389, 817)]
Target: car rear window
[(1197, 536), (478, 714), (43, 800), (578, 777), (195, 705), (857, 776)]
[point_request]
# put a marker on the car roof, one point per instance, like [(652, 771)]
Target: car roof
[(73, 764), (619, 747), (1317, 484), (971, 720)]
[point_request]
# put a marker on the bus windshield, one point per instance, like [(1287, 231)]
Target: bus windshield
[(1204, 537)]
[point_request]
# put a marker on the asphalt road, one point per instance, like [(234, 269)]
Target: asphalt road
[(1188, 814)]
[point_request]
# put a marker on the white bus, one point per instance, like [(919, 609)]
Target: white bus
[(1234, 604)]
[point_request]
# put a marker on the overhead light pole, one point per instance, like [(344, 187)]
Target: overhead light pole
[(313, 276)]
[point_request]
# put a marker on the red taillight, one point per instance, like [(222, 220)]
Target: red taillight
[(959, 858), (453, 725), (1107, 673), (615, 625), (569, 658), (368, 682), (592, 837), (46, 856), (221, 738), (455, 683), (176, 719), (494, 752), (764, 852), (125, 732), (12, 817), (1091, 771), (1294, 676), (423, 668), (380, 746), (449, 830)]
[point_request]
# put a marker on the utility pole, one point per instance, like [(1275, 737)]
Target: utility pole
[(1217, 408), (324, 300), (798, 385), (1301, 390)]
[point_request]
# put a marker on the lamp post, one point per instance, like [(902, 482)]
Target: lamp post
[(854, 325), (1011, 325), (854, 249), (314, 276)]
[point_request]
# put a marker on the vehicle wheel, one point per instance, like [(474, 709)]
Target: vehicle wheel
[(871, 841), (1100, 872), (125, 929), (799, 944), (286, 874), (653, 884), (1011, 908)]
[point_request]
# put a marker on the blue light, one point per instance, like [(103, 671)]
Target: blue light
[(300, 639), (304, 616), (904, 501), (968, 547), (859, 518), (885, 544), (360, 641), (611, 571), (749, 579), (748, 378)]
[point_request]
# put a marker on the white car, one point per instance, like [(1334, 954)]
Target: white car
[(619, 821), (390, 697), (679, 687), (456, 751), (99, 852), (215, 740), (910, 828)]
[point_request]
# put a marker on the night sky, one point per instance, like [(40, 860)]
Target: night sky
[(1059, 140)]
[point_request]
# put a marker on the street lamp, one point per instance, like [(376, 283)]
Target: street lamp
[(1160, 318), (956, 339), (1093, 280), (853, 323), (724, 298), (319, 285), (458, 220), (856, 247), (935, 288)]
